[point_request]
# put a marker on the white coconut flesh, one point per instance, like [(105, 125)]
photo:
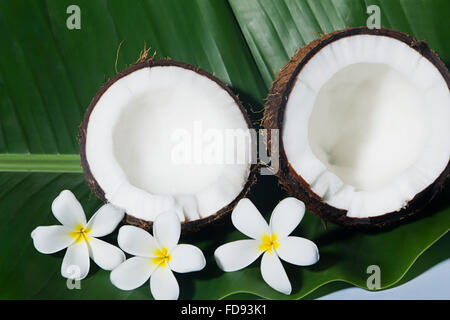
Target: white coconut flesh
[(148, 139), (366, 124)]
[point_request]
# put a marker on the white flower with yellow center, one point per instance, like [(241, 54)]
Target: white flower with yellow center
[(272, 241), (155, 257), (79, 236)]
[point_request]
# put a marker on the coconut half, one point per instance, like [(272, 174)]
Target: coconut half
[(364, 119), (154, 138)]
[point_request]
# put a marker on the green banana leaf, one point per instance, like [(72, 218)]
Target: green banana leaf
[(49, 74)]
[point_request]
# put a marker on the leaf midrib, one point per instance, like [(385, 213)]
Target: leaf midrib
[(69, 163)]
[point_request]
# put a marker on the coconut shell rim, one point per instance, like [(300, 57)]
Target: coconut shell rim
[(186, 226), (294, 183)]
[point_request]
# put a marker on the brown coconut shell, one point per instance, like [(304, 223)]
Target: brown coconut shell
[(186, 226), (293, 181)]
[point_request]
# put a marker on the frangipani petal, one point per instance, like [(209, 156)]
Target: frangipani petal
[(274, 274), (299, 251), (51, 239), (105, 220), (247, 219), (186, 258), (68, 210), (133, 273), (286, 216), (76, 261), (164, 285), (236, 255), (137, 241), (105, 255), (167, 229)]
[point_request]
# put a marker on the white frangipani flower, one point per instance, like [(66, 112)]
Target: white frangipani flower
[(273, 241), (156, 257), (79, 237)]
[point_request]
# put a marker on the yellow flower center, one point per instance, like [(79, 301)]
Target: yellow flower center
[(269, 242), (162, 257), (80, 233)]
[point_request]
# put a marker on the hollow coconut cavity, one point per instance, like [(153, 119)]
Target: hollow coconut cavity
[(364, 126), (167, 136)]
